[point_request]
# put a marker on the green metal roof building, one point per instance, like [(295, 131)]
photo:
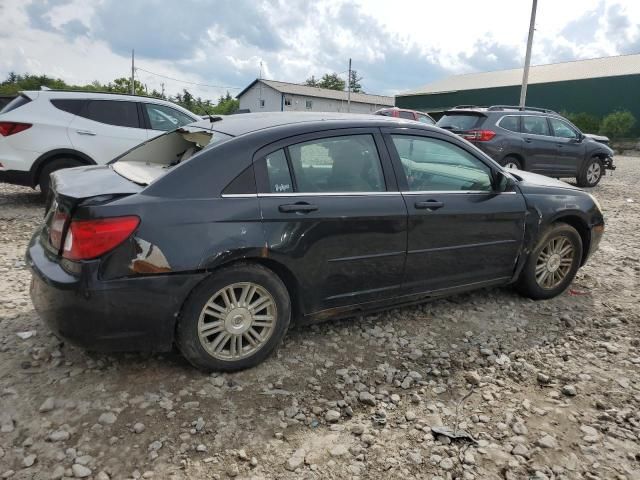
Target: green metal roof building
[(597, 86)]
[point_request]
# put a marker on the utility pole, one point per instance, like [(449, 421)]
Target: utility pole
[(349, 88), (527, 58), (133, 74), (162, 85)]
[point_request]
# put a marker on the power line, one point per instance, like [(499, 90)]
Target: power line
[(188, 82)]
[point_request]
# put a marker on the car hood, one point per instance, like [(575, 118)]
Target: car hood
[(528, 179)]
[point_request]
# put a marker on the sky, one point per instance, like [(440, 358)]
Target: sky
[(223, 45)]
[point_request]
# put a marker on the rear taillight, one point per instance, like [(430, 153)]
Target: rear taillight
[(11, 128), (87, 239), (56, 229), (478, 135)]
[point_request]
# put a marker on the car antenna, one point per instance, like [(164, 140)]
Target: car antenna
[(212, 118)]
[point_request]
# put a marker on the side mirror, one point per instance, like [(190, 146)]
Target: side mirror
[(503, 182)]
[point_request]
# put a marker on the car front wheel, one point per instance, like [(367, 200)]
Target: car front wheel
[(591, 173), (553, 264), (234, 319)]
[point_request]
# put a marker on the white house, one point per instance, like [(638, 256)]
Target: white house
[(272, 96)]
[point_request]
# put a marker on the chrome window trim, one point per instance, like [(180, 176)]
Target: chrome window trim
[(363, 194)]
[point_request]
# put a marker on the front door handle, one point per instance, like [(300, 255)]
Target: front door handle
[(528, 140), (85, 132), (429, 205), (298, 207)]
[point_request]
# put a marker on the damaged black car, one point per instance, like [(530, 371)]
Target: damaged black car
[(217, 236)]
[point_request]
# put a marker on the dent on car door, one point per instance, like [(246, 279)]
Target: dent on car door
[(332, 214), (104, 129), (461, 232)]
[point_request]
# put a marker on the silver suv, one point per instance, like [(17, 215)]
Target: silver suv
[(532, 139)]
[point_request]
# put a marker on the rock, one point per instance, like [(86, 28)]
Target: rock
[(29, 460), (80, 471), (569, 390), (410, 416), (473, 378), (59, 436), (543, 379), (469, 458), (357, 429), (107, 418), (446, 464), (138, 427), (296, 460), (103, 476), (332, 416), (155, 446), (415, 458), (519, 428), (368, 439), (338, 451), (591, 434), (58, 473), (521, 450), (233, 470), (201, 448), (48, 405), (367, 399), (547, 441)]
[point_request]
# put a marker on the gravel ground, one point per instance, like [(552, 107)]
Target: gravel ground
[(552, 388)]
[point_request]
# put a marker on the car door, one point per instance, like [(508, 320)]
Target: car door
[(571, 149), (162, 118), (333, 215), (540, 147), (461, 232), (104, 129)]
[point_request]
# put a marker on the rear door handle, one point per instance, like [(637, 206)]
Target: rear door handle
[(429, 205), (85, 132), (528, 140), (298, 207)]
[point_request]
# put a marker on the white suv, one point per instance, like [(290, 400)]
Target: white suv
[(44, 131)]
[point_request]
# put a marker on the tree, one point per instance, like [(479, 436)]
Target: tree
[(331, 81), (123, 85), (586, 122), (354, 82), (311, 82), (617, 124)]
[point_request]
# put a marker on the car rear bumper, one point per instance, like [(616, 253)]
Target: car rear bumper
[(16, 177), (130, 314)]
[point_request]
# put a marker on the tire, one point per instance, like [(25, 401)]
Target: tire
[(233, 320), (530, 286), (591, 174), (511, 162), (49, 168)]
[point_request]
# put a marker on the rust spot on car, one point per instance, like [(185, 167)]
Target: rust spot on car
[(149, 259)]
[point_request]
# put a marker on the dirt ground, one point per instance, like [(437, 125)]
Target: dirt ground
[(554, 386)]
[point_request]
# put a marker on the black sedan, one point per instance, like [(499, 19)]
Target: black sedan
[(216, 236)]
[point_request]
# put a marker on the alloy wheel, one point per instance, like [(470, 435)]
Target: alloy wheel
[(554, 262), (593, 172), (237, 321)]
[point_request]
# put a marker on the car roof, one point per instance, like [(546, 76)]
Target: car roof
[(241, 124), (33, 94)]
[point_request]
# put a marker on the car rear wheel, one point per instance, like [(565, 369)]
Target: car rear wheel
[(591, 174), (49, 168), (553, 264), (234, 319), (511, 162)]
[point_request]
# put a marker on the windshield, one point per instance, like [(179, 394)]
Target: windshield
[(149, 161), (459, 121)]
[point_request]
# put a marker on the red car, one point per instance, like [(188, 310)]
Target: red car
[(408, 114)]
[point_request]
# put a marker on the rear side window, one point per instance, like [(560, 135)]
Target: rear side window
[(113, 112), (535, 125), (407, 115), (511, 123), (72, 106), (337, 164), (17, 102), (278, 173), (460, 121)]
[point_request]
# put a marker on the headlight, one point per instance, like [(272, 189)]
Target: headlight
[(596, 202)]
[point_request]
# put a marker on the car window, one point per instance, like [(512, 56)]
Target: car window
[(386, 113), (426, 119), (460, 121), (278, 173), (17, 102), (113, 112), (407, 115), (562, 129), (70, 105), (511, 123), (166, 118), (337, 164), (435, 165), (535, 125)]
